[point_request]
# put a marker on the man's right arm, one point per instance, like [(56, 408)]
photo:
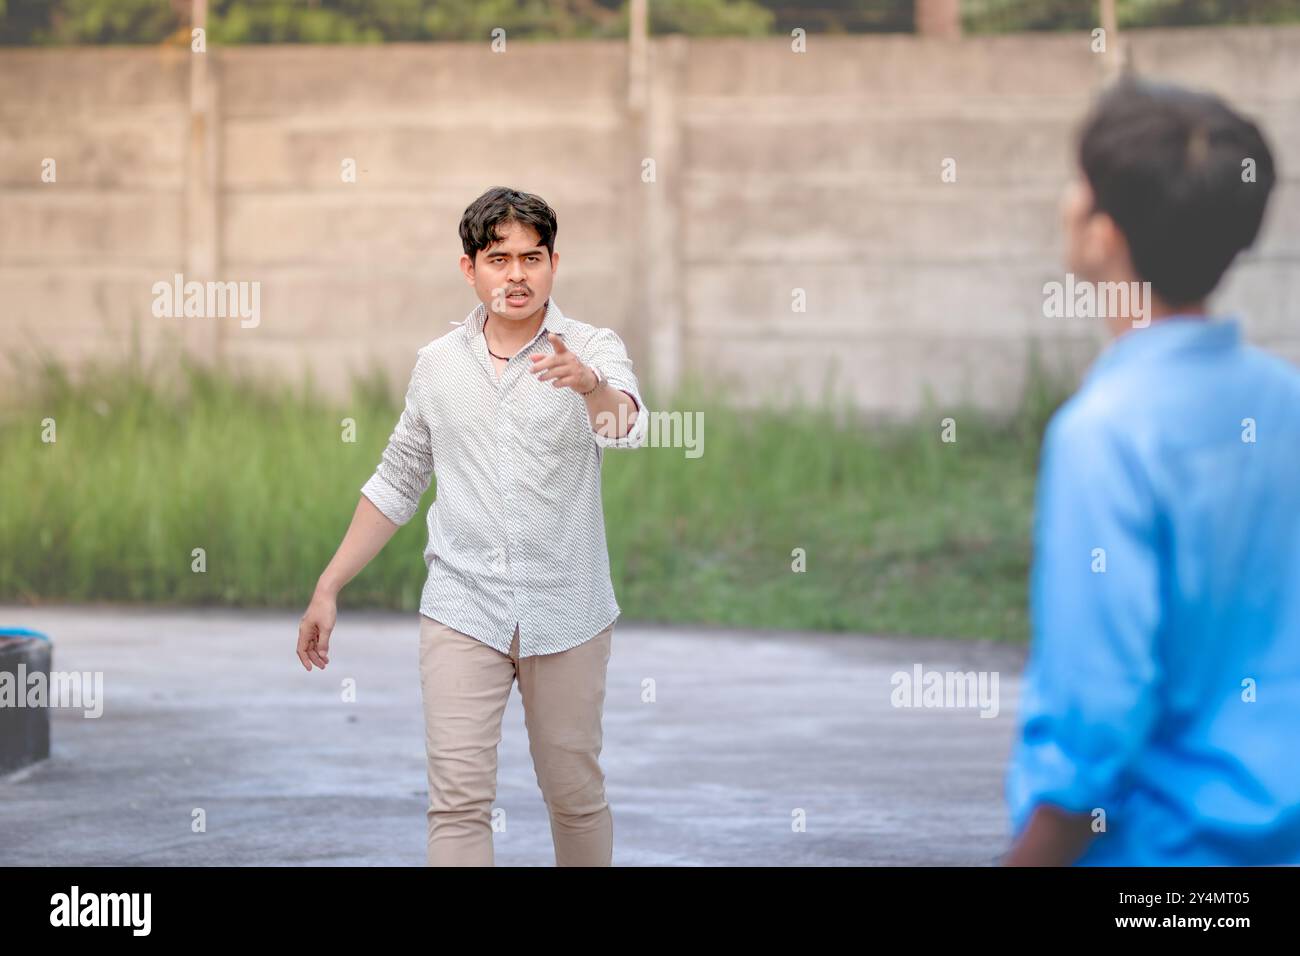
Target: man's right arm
[(388, 500), (366, 536)]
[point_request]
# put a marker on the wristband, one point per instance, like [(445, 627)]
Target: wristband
[(600, 380)]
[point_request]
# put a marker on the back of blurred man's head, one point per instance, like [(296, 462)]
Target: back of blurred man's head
[(1173, 185)]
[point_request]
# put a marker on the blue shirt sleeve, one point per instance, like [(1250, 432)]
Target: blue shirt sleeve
[(1088, 699)]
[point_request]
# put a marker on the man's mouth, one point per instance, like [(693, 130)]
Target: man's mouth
[(517, 297)]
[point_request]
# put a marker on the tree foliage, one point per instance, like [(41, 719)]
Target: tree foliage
[(39, 22)]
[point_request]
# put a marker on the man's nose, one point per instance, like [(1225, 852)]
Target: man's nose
[(515, 270)]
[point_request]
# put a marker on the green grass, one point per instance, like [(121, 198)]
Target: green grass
[(904, 534)]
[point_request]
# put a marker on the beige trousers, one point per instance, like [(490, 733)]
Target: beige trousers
[(465, 686)]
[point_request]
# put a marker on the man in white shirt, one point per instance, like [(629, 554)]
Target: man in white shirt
[(511, 412)]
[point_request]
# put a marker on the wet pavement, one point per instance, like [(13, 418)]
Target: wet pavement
[(722, 748)]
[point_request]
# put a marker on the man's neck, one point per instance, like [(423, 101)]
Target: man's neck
[(506, 337)]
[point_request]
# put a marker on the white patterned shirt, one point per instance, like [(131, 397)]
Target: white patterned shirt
[(517, 530)]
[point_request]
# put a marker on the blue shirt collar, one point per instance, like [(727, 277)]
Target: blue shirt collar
[(1177, 333)]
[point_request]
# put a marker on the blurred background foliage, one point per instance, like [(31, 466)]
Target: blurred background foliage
[(903, 533), (52, 22)]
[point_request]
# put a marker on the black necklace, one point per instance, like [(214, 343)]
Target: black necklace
[(504, 358)]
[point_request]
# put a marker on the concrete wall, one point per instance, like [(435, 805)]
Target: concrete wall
[(774, 171)]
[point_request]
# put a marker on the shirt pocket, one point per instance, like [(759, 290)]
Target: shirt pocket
[(557, 423)]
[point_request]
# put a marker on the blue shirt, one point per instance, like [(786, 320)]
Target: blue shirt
[(1163, 682)]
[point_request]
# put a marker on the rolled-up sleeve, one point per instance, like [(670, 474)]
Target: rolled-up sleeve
[(605, 351), (406, 467), (1089, 693)]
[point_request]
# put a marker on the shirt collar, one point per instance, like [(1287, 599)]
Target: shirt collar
[(552, 321), (1177, 333)]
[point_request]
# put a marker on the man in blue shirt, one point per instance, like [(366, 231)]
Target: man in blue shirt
[(1160, 713)]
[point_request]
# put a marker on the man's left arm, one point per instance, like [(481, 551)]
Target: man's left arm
[(1089, 697), (614, 405)]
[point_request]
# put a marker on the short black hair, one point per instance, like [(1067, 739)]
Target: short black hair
[(1167, 164), (499, 205)]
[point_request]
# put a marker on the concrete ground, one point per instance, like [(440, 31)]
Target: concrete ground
[(211, 710)]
